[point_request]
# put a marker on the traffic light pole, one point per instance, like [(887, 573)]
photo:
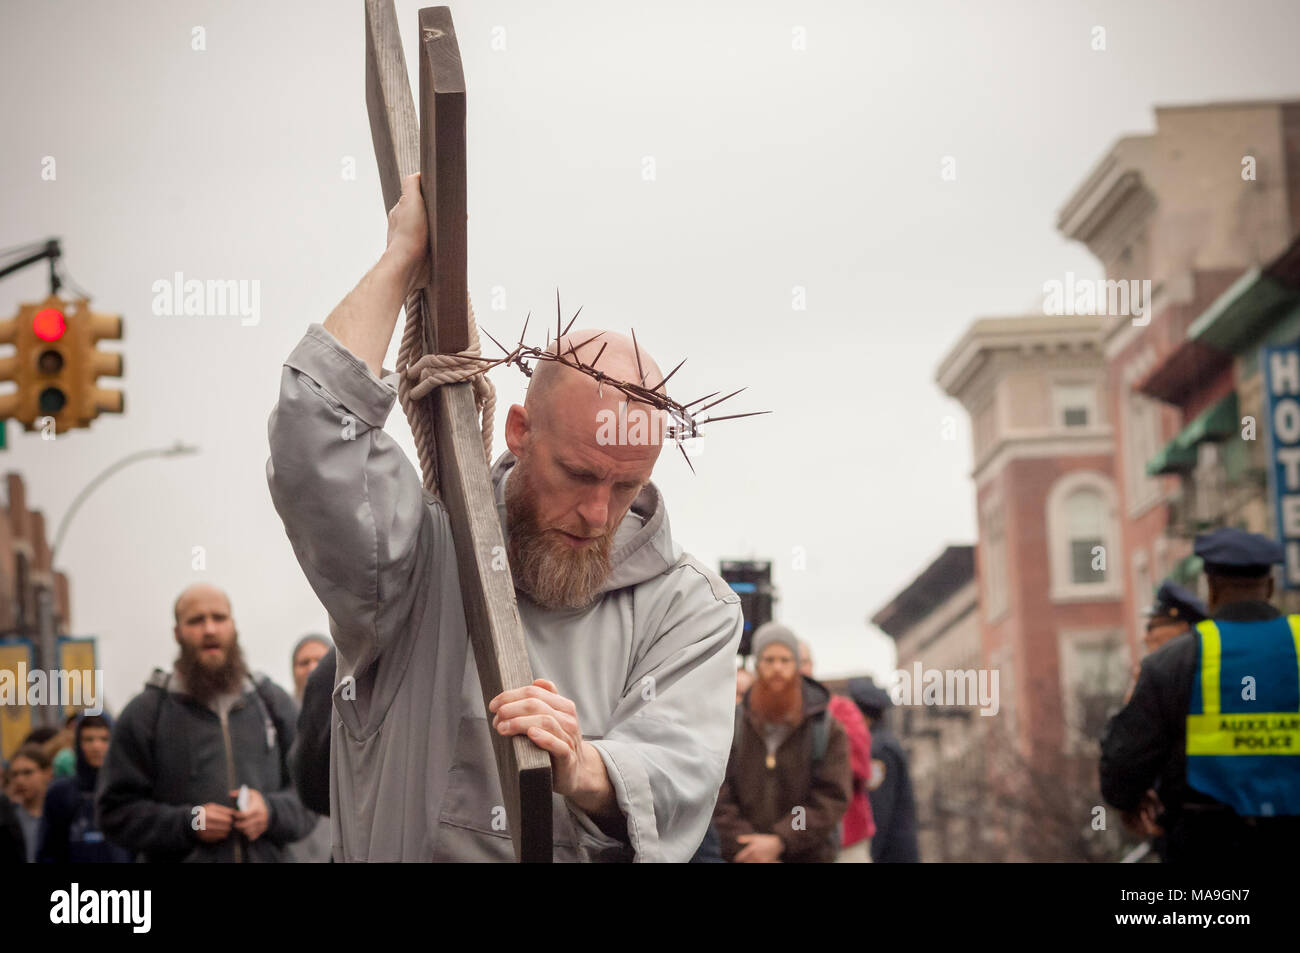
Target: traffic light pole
[(52, 251), (46, 655)]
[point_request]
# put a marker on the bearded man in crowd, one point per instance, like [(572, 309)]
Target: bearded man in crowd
[(198, 768)]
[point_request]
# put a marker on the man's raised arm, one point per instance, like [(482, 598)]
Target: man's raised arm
[(364, 321), (352, 505)]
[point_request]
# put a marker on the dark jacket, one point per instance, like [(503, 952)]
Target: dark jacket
[(170, 754), (69, 834), (1145, 746), (757, 799), (309, 758), (13, 846), (893, 805)]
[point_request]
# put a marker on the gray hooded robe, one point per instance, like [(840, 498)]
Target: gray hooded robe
[(650, 665)]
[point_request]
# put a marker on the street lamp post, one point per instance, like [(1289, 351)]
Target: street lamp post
[(176, 449), (47, 636)]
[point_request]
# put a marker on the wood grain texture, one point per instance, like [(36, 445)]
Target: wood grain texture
[(491, 612), (442, 174)]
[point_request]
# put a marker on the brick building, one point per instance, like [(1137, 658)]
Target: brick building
[(1051, 567), (934, 620), (1213, 194)]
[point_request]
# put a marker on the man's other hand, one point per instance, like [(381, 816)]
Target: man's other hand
[(550, 721), (759, 849), (217, 821), (252, 822)]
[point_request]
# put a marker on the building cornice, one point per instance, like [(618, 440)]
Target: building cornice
[(1023, 334), (1100, 442)]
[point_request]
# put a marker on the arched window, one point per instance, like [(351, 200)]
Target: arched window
[(1085, 522), (1083, 538)]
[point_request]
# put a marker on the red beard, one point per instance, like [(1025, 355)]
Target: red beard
[(778, 704)]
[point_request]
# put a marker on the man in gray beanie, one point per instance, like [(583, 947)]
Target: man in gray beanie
[(788, 778), (307, 653)]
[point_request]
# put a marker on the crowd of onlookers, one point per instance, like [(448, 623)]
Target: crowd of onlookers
[(197, 767), (156, 784), (813, 777)]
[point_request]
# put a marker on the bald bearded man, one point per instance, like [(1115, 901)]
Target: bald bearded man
[(634, 640)]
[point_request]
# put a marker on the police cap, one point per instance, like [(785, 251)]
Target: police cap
[(1234, 552), (870, 697), (1175, 602)]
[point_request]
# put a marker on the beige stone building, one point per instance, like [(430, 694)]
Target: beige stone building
[(935, 622)]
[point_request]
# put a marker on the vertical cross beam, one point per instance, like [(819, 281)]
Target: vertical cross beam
[(436, 148)]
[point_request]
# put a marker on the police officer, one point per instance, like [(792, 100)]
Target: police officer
[(893, 806), (1212, 716), (1174, 612)]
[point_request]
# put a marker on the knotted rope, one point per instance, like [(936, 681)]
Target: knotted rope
[(419, 373)]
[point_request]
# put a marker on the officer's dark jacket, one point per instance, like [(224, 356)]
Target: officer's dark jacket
[(1145, 744), (893, 805), (170, 754)]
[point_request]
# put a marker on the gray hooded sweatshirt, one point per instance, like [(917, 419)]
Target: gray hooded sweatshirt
[(650, 665)]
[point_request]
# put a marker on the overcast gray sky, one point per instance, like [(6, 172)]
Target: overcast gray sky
[(775, 168)]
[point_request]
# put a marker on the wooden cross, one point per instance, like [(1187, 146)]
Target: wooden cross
[(435, 147)]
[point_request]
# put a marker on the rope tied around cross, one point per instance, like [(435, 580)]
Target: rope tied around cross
[(420, 373)]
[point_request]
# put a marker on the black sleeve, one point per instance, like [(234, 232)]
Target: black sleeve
[(309, 759), (893, 807), (1139, 741), (289, 821), (56, 823), (882, 799), (905, 848), (125, 809), (13, 848)]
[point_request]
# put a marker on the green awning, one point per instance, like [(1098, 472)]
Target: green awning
[(1242, 314), (1179, 455), (1172, 459), (1217, 423)]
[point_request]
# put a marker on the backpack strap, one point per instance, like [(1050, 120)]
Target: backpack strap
[(260, 688), (821, 736), (159, 681)]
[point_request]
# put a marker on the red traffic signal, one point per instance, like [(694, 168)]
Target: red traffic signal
[(49, 324)]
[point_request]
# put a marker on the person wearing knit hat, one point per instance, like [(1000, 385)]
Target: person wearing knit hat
[(857, 828), (893, 802), (770, 632), (788, 778), (307, 653)]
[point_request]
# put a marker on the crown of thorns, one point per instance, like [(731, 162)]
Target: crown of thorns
[(685, 423)]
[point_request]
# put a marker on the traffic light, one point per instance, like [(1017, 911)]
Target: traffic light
[(99, 400), (56, 365)]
